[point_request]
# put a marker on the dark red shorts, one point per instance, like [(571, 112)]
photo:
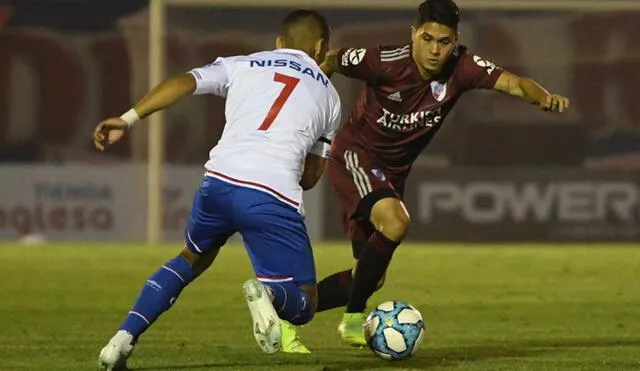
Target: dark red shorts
[(358, 182)]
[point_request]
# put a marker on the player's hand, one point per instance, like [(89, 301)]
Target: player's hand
[(108, 132), (554, 103), (330, 63)]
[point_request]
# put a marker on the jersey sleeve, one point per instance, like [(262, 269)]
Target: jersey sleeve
[(213, 78), (476, 72), (323, 145), (359, 63)]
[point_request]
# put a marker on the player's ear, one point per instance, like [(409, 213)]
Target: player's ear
[(279, 43), (414, 32), (320, 49)]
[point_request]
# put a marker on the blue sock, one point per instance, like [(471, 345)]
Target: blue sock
[(158, 294), (291, 303)]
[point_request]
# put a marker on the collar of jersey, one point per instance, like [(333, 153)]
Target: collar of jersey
[(296, 52)]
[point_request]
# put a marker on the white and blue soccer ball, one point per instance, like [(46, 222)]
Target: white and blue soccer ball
[(394, 330)]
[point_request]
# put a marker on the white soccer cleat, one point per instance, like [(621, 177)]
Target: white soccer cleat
[(113, 357), (266, 323)]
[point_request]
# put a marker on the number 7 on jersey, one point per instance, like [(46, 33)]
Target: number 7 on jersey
[(290, 83)]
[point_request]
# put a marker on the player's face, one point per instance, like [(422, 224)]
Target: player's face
[(433, 44)]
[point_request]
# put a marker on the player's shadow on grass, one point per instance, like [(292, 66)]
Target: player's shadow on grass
[(212, 365), (364, 360), (427, 358), (349, 359), (603, 342)]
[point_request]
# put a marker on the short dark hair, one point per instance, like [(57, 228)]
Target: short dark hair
[(311, 17), (445, 12)]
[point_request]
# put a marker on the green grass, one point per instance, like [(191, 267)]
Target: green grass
[(486, 308)]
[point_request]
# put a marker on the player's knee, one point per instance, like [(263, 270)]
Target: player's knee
[(392, 221), (312, 291), (301, 319), (395, 228), (189, 256), (306, 312), (390, 217), (199, 262), (292, 303)]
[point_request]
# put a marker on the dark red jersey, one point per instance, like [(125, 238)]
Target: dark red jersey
[(399, 112)]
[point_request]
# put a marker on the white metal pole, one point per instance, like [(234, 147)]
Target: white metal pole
[(157, 28)]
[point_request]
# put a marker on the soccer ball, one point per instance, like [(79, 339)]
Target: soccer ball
[(394, 330)]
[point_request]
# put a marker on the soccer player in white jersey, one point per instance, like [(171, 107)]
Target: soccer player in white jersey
[(282, 113)]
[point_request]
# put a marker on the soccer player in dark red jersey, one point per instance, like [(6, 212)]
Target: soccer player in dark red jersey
[(410, 90)]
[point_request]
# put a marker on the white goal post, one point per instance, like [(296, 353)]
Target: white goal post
[(157, 30)]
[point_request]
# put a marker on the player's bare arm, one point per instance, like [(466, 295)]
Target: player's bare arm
[(313, 169), (162, 96), (530, 91), (330, 63)]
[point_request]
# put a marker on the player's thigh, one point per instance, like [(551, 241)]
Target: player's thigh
[(210, 221), (276, 240), (358, 184)]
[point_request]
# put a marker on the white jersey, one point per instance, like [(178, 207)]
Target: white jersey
[(280, 107)]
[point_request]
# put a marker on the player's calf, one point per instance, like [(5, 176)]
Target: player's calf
[(381, 282), (158, 294), (391, 220), (334, 290)]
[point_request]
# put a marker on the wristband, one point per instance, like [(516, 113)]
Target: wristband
[(130, 117)]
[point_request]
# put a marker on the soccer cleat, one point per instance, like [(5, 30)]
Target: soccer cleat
[(351, 329), (290, 341), (266, 324), (113, 357)]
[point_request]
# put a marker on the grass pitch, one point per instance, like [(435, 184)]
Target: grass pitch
[(486, 307)]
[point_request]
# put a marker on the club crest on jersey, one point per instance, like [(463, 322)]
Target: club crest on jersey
[(379, 174), (439, 90), (484, 64), (410, 121), (353, 56)]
